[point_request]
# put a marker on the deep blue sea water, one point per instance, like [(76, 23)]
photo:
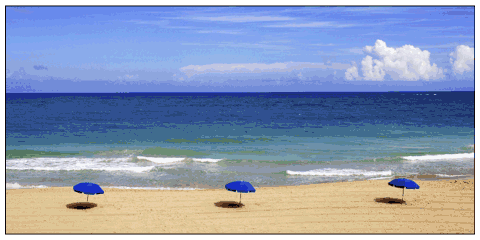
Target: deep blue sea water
[(205, 140)]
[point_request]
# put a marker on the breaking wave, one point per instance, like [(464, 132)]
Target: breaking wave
[(331, 172), (161, 160), (76, 164), (164, 160), (18, 186), (458, 156)]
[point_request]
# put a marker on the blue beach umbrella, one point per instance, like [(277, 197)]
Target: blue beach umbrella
[(241, 187), (403, 183), (88, 188)]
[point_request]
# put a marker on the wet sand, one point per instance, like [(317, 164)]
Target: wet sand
[(445, 206)]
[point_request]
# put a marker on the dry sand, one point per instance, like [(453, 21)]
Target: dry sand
[(344, 207)]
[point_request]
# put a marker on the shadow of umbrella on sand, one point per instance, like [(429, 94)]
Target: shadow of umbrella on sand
[(241, 187), (403, 183)]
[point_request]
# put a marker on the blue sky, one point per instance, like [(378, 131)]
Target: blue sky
[(238, 49)]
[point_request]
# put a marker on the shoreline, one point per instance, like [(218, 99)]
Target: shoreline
[(444, 206), (430, 177)]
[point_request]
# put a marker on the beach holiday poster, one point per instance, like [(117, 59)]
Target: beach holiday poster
[(143, 119)]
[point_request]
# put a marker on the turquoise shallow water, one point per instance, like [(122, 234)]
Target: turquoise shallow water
[(204, 140)]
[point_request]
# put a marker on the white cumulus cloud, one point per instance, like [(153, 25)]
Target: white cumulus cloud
[(404, 63), (462, 59), (371, 72), (352, 73)]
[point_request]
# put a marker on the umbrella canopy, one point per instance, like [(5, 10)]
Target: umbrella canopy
[(404, 183), (88, 188), (241, 187)]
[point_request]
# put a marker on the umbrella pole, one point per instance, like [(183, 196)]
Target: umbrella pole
[(240, 197), (403, 193), (87, 198)]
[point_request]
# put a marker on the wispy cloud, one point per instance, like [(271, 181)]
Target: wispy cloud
[(453, 36), (128, 77), (162, 23), (192, 70), (277, 41), (323, 44), (187, 11), (330, 54), (455, 28), (341, 52), (342, 25), (20, 10), (354, 51), (448, 45), (313, 25), (370, 10), (457, 11), (382, 34), (221, 31), (308, 9), (256, 45), (242, 45), (238, 19)]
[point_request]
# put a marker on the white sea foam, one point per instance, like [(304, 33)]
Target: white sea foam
[(380, 178), (161, 160), (458, 156), (331, 172), (75, 164), (445, 175), (206, 160), (18, 186)]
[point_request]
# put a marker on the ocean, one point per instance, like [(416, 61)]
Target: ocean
[(190, 141)]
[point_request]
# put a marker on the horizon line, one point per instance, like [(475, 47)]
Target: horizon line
[(246, 92)]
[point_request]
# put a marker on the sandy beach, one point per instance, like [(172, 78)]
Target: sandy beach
[(445, 206)]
